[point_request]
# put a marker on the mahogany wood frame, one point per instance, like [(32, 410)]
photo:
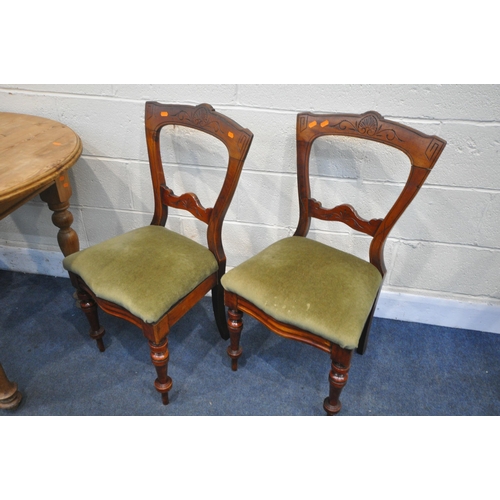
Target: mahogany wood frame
[(422, 150), (237, 140)]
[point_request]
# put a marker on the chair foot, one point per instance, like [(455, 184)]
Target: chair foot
[(97, 336), (235, 325), (330, 409), (163, 389), (234, 355)]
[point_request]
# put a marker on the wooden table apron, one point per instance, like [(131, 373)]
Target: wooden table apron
[(35, 155)]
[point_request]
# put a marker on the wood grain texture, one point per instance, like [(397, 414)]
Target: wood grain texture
[(34, 152)]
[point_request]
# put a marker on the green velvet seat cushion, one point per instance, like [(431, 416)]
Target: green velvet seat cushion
[(311, 286), (146, 271)]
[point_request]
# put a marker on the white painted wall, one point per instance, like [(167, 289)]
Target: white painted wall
[(446, 247)]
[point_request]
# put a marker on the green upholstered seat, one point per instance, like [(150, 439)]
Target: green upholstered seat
[(146, 270), (311, 286)]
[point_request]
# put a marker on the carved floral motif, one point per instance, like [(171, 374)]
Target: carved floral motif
[(200, 117), (368, 125)]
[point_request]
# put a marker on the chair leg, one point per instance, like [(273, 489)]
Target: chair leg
[(235, 325), (341, 362), (89, 307), (220, 311), (159, 357)]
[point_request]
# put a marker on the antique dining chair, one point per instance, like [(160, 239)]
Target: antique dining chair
[(151, 276), (309, 291)]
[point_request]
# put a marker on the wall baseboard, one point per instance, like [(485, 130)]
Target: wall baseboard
[(438, 311), (33, 261), (391, 305)]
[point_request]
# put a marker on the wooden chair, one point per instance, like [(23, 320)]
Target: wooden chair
[(307, 291), (152, 276)]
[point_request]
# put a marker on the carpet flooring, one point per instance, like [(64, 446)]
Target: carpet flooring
[(409, 369)]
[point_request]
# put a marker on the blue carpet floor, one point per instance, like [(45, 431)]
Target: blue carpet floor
[(408, 369)]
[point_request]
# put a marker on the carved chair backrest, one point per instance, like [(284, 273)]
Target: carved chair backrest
[(204, 118), (423, 151)]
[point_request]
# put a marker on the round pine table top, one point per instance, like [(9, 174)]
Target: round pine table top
[(34, 151)]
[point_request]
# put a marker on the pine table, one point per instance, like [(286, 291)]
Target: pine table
[(35, 155)]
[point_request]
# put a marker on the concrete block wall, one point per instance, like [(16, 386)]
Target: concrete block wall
[(443, 255)]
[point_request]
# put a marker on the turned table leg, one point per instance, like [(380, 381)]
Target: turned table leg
[(10, 397), (57, 197)]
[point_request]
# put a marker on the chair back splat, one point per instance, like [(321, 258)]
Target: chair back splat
[(151, 276), (422, 150), (307, 291)]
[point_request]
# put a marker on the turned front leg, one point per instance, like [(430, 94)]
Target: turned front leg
[(341, 362), (89, 307), (159, 357), (235, 325)]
